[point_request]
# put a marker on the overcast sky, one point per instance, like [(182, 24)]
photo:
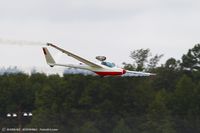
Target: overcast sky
[(98, 27)]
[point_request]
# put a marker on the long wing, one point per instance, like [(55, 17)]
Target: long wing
[(89, 63), (138, 74)]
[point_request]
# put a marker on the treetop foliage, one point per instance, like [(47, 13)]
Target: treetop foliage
[(166, 103), (142, 60)]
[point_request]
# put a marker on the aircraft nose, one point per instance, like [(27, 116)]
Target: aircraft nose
[(124, 71)]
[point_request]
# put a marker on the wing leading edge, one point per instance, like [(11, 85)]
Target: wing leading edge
[(89, 63)]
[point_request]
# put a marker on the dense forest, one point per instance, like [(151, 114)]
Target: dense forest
[(166, 103)]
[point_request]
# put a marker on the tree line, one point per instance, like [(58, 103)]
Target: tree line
[(165, 103)]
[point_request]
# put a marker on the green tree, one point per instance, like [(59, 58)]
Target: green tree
[(159, 119), (142, 60), (167, 75), (191, 60), (121, 127), (154, 61), (194, 111), (183, 95), (88, 127), (140, 57), (184, 106), (172, 64), (129, 66)]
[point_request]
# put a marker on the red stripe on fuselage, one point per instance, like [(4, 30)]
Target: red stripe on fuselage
[(109, 73)]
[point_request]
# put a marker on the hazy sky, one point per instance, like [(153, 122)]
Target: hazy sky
[(98, 27)]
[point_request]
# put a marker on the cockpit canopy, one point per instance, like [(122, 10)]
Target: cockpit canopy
[(108, 64)]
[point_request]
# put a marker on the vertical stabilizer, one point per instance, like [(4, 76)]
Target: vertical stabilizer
[(49, 59)]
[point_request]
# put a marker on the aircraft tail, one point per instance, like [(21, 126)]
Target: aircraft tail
[(49, 59)]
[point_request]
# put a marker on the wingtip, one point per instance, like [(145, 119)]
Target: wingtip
[(52, 45), (49, 44)]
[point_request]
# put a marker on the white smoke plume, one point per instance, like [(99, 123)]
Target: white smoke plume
[(19, 42)]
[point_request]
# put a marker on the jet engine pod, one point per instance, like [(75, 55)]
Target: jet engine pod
[(101, 58)]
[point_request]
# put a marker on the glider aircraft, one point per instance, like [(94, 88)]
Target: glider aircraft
[(104, 68)]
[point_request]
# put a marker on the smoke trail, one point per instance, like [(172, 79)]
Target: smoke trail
[(19, 42)]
